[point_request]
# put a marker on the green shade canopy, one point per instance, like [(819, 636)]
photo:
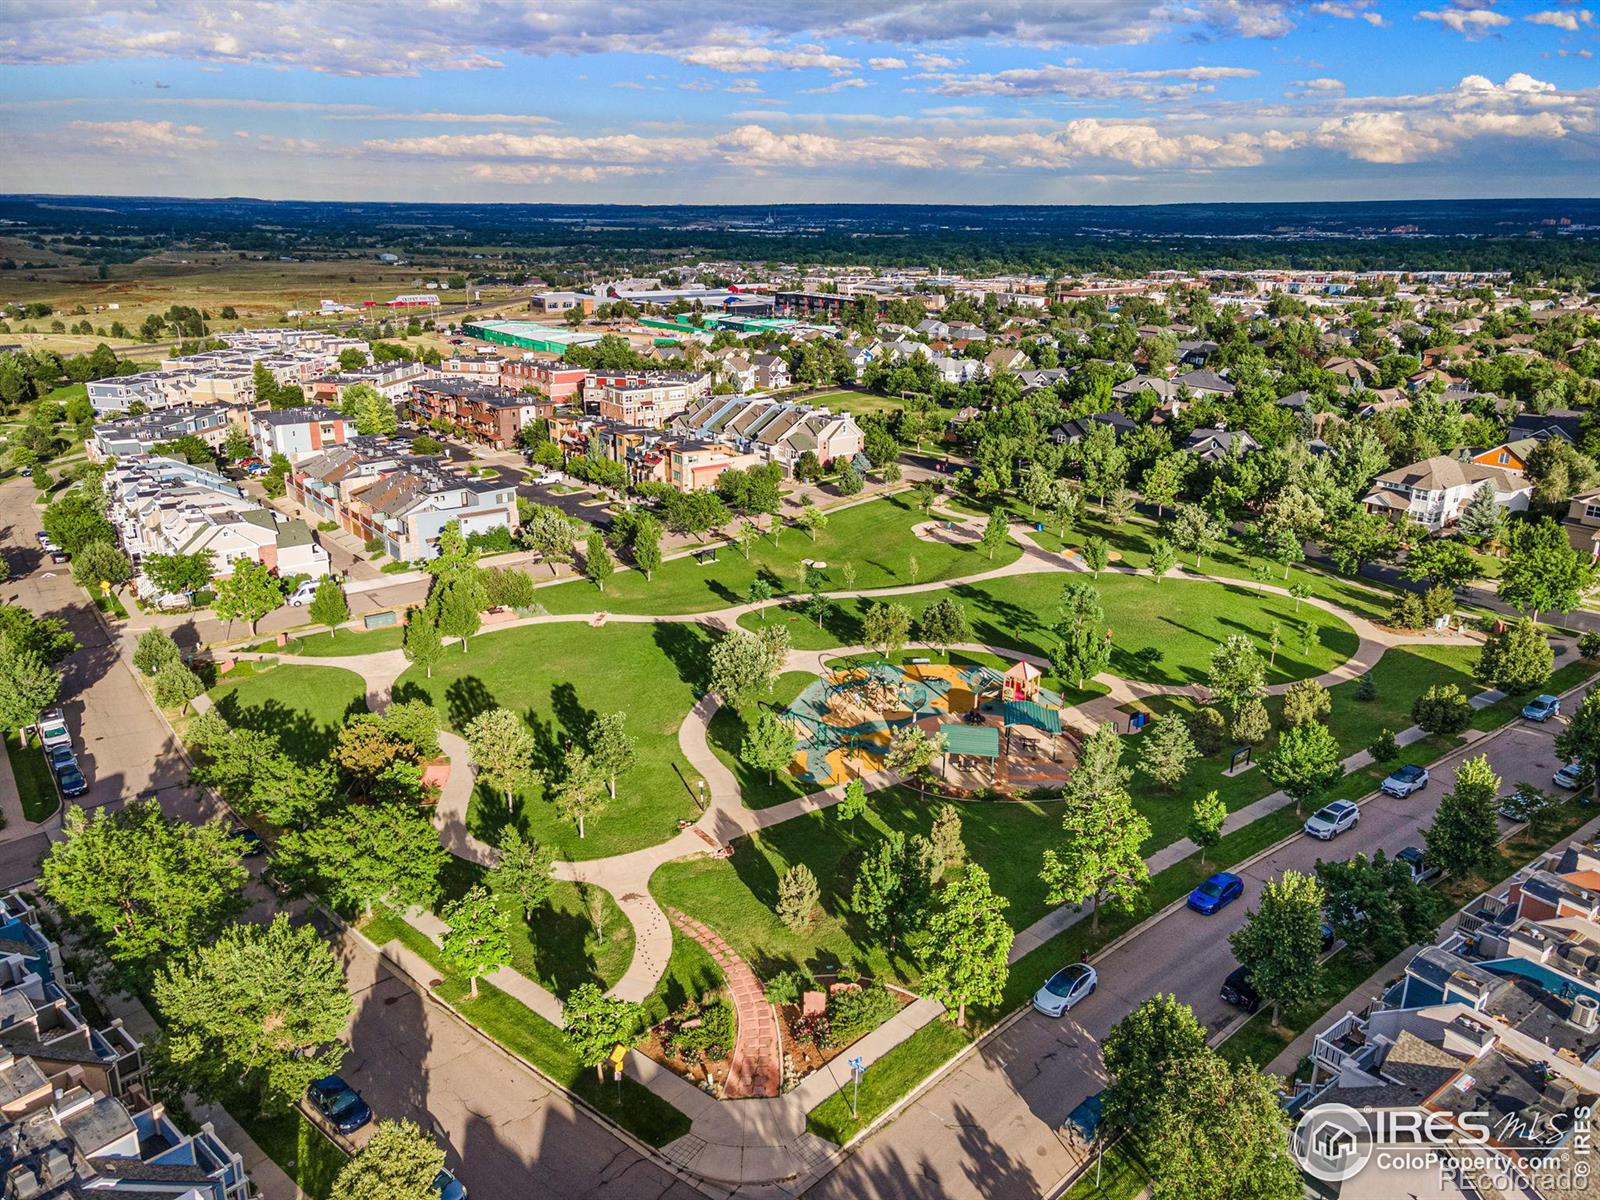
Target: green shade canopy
[(1026, 712), (978, 741)]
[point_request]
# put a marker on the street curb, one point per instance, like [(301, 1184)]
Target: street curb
[(643, 1149)]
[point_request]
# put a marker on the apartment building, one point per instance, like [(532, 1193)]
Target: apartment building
[(297, 433), (392, 381), (141, 435), (374, 488), (650, 399), (1496, 1027), (163, 506), (480, 412), (551, 376), (773, 430), (230, 383), (76, 1118)]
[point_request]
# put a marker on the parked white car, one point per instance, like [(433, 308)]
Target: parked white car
[(301, 596), (1065, 988), (545, 477), (1569, 777), (1331, 820), (53, 730)]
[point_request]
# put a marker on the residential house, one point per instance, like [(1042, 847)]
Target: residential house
[(1215, 445), (1434, 491), (1558, 422), (392, 381), (774, 430), (76, 1119), (297, 433), (1041, 377), (1499, 1022), (1070, 433), (1508, 456), (1583, 522), (646, 398), (734, 367), (1204, 383), (772, 372), (1003, 359), (141, 435), (958, 370)]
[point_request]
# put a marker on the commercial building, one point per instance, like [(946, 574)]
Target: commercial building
[(525, 335), (830, 306)]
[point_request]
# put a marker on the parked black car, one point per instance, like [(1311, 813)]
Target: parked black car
[(1237, 990)]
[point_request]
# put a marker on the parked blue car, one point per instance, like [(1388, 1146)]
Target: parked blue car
[(1216, 893), (62, 757), (1542, 708), (71, 780), (340, 1103)]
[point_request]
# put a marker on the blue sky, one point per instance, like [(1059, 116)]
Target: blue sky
[(1033, 101)]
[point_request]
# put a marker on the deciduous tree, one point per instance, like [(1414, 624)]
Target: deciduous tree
[(249, 594), (768, 745), (368, 854), (422, 644), (1083, 640), (1464, 831), (328, 605), (1305, 762), (503, 750), (596, 1023), (943, 624), (1280, 943), (965, 947), (1205, 823), (1516, 659), (478, 941), (1543, 572), (1144, 1054), (523, 873), (886, 627), (266, 1002), (399, 1162)]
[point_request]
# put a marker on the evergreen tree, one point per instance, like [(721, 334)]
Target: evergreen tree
[(1518, 659), (597, 564), (798, 895), (1166, 752), (1099, 859), (1083, 640), (1482, 520)]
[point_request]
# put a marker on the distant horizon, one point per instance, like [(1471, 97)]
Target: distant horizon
[(1040, 204)]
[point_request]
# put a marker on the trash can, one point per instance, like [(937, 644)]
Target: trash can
[(1038, 526)]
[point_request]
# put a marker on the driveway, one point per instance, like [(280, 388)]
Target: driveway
[(988, 1128)]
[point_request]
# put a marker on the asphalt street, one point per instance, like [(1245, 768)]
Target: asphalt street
[(989, 1128)]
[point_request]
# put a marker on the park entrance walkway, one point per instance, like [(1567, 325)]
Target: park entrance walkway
[(757, 1067)]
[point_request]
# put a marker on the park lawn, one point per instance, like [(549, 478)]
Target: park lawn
[(557, 947), (290, 1139), (1183, 619), (737, 896), (304, 707), (36, 786), (858, 404), (727, 732), (529, 1036), (342, 643), (559, 677), (875, 537), (1131, 543), (888, 1080), (691, 974)]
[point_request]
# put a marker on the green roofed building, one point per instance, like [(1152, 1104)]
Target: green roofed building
[(973, 741), (525, 335)]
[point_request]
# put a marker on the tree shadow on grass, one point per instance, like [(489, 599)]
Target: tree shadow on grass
[(303, 739), (687, 646), (559, 941), (570, 713), (466, 698)]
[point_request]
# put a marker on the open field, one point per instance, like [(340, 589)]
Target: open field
[(876, 537), (303, 706), (559, 678)]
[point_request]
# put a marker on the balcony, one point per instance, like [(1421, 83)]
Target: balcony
[(1343, 1043)]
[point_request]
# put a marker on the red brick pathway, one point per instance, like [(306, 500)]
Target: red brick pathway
[(757, 1067)]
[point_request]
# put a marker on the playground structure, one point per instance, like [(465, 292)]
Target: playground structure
[(1002, 729)]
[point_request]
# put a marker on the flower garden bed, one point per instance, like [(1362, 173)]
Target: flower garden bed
[(854, 1009)]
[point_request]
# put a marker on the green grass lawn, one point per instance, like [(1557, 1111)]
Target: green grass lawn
[(1131, 543), (857, 404), (889, 1079), (559, 678), (736, 896), (295, 1144), (528, 1035), (558, 947), (875, 537), (1183, 619), (303, 706), (342, 643), (35, 785), (727, 733)]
